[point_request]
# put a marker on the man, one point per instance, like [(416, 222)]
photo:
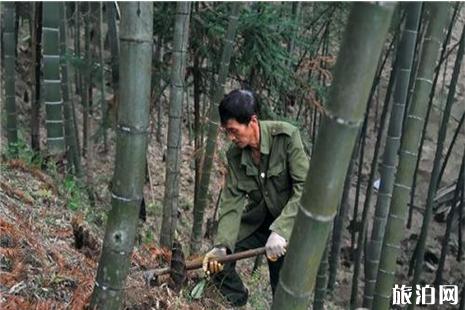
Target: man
[(267, 166)]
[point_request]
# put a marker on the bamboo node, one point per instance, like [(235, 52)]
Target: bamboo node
[(414, 154), (317, 217), (342, 121), (50, 29), (293, 294), (389, 195), (53, 102), (425, 80), (396, 217), (132, 130), (418, 118), (55, 138), (52, 81), (125, 199), (393, 246), (403, 186), (392, 273), (383, 296)]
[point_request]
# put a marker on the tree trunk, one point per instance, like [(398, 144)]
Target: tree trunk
[(173, 155), (52, 96), (407, 156), (405, 56), (131, 147), (9, 41), (433, 185), (360, 50), (202, 201)]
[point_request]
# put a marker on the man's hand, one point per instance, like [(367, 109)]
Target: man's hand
[(275, 246), (210, 264)]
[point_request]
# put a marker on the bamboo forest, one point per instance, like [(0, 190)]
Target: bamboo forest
[(232, 155)]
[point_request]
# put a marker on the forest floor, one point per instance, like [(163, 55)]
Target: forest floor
[(50, 236)]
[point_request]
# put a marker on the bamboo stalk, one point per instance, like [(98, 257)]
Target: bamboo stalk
[(35, 96), (72, 150), (405, 55), (52, 96), (131, 146), (362, 45), (430, 104), (212, 134), (174, 141), (421, 245), (103, 103), (407, 157), (456, 203), (9, 43)]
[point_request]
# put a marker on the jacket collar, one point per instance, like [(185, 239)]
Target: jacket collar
[(265, 142)]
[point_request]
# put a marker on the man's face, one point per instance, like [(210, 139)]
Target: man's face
[(239, 134)]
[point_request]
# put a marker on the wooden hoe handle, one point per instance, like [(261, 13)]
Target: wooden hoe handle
[(197, 263)]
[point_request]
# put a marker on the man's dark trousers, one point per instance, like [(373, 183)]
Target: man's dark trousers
[(229, 282)]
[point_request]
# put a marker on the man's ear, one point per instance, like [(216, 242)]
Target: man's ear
[(254, 118)]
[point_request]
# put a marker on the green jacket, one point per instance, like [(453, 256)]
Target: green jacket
[(277, 185)]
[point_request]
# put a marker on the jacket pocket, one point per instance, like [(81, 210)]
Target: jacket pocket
[(253, 194), (279, 176)]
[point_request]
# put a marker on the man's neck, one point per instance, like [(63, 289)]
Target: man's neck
[(255, 145)]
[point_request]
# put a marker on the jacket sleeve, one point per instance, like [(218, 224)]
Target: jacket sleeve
[(298, 163), (231, 207)]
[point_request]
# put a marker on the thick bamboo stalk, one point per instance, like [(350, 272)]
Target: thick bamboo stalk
[(131, 146), (114, 47), (339, 223), (442, 58), (9, 43), (451, 147), (72, 149), (362, 45), (77, 46), (103, 103), (51, 95), (433, 185), (456, 203), (86, 82), (361, 226), (362, 145), (174, 142), (321, 282), (404, 58), (407, 157), (36, 37), (202, 201)]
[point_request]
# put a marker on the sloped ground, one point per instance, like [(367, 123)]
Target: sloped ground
[(40, 266)]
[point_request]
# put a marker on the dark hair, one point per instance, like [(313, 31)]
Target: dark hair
[(240, 105)]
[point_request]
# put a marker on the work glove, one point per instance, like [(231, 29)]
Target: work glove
[(275, 246), (210, 264)]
